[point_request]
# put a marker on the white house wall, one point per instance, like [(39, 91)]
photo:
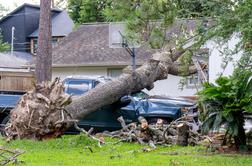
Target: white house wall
[(216, 60), (170, 87), (79, 71)]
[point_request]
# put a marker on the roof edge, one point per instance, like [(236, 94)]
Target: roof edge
[(23, 5), (84, 65)]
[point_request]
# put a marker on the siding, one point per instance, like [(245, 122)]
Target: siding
[(18, 22)]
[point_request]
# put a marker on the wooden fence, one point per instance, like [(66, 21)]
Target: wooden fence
[(16, 81)]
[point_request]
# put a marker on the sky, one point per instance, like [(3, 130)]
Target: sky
[(12, 4)]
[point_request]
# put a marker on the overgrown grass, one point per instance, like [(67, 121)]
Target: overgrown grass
[(80, 150)]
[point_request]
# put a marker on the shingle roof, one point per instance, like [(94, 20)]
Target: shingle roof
[(17, 60), (89, 46), (62, 25)]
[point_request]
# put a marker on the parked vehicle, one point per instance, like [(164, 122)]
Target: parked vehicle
[(130, 107), (8, 100)]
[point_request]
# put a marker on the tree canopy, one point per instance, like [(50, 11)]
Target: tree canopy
[(83, 11)]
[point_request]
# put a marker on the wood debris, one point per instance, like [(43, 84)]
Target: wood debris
[(177, 132), (8, 156)]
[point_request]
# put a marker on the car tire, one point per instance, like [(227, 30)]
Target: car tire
[(153, 121), (3, 123)]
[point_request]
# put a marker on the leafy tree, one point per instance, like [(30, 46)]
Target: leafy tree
[(82, 11), (146, 20), (59, 4)]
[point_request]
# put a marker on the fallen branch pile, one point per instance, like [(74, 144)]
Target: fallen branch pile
[(178, 132), (9, 156)]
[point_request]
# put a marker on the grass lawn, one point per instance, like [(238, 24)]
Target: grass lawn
[(75, 150)]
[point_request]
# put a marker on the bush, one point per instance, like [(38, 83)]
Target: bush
[(225, 103)]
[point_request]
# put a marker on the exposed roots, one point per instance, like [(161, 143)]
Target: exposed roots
[(40, 113)]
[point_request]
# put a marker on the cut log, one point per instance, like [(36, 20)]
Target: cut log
[(44, 112), (183, 134)]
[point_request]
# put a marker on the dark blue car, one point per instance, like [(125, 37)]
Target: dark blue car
[(129, 107)]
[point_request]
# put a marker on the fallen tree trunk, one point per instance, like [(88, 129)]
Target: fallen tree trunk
[(38, 117), (154, 69)]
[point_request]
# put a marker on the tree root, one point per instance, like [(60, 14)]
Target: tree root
[(40, 113)]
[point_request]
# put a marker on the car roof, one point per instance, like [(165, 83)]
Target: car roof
[(91, 78)]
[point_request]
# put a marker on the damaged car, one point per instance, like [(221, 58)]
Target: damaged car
[(130, 107)]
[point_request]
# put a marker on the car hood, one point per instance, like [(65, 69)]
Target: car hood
[(154, 107), (172, 102)]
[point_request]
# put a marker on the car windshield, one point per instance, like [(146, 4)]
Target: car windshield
[(78, 87)]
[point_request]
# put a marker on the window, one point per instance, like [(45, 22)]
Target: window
[(54, 41), (78, 87), (193, 80), (113, 73), (34, 46), (34, 43)]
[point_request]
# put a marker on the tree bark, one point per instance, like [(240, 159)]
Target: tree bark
[(183, 134), (240, 139), (157, 68), (43, 68)]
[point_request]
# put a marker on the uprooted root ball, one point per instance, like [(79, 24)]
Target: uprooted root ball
[(39, 113)]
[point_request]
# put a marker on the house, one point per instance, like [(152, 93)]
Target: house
[(86, 51), (14, 75), (25, 20)]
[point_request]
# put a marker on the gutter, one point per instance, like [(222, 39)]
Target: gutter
[(86, 65)]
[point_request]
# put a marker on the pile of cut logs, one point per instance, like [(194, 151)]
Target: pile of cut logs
[(178, 132)]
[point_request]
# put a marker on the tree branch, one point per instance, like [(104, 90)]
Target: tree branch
[(176, 54), (176, 69)]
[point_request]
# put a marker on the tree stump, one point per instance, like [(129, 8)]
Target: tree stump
[(183, 134)]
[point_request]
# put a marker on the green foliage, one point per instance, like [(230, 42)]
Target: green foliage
[(202, 8), (224, 100), (235, 18), (3, 46), (83, 11), (146, 20)]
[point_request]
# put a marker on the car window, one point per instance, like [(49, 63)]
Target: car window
[(78, 87), (140, 95)]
